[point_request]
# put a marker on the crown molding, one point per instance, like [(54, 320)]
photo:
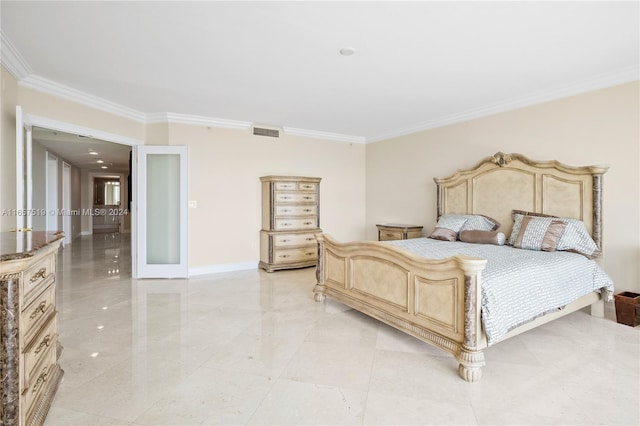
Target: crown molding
[(51, 87), (11, 59), (597, 82), (171, 117), (324, 135)]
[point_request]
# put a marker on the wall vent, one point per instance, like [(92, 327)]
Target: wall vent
[(262, 131)]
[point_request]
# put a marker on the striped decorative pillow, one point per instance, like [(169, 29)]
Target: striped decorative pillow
[(575, 237), (539, 233)]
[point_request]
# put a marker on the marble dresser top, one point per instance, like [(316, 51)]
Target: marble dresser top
[(20, 245)]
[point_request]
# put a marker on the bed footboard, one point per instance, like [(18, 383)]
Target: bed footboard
[(437, 301)]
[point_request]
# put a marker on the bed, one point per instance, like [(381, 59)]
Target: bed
[(439, 298)]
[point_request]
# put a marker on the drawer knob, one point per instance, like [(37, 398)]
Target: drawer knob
[(308, 198), (311, 253), (45, 343), (310, 238), (284, 241), (40, 274), (284, 256), (308, 223), (41, 308)]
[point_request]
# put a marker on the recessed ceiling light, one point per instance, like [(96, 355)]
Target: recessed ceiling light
[(347, 51), (92, 152), (99, 161), (103, 167)]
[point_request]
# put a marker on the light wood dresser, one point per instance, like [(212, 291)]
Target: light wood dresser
[(290, 217), (29, 368)]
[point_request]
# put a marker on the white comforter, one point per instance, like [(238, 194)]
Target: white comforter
[(520, 285)]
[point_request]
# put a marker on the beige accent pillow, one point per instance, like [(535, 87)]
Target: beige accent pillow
[(448, 227), (482, 237), (443, 234)]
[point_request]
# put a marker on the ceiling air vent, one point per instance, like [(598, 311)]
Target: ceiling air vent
[(262, 131)]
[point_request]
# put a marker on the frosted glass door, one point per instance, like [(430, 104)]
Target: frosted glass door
[(161, 212)]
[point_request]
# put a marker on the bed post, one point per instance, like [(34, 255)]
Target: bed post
[(439, 200), (470, 357), (597, 308), (318, 290), (596, 232)]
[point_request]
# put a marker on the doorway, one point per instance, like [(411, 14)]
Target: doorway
[(107, 200), (25, 123)]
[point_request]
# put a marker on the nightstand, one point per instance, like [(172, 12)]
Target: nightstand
[(397, 231)]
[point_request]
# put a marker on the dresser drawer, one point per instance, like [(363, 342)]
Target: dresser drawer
[(288, 240), (37, 348), (34, 278), (285, 186), (37, 312), (295, 210), (293, 197), (388, 235), (296, 186), (295, 255), (308, 187), (42, 373), (302, 223)]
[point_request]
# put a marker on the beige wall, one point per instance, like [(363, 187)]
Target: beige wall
[(224, 170), (8, 100), (49, 106), (599, 127), (225, 166), (388, 181)]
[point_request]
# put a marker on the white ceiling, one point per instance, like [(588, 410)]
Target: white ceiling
[(417, 64)]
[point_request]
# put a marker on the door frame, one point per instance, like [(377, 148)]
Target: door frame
[(67, 226), (26, 122), (52, 190)]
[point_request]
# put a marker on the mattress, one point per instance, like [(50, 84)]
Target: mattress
[(520, 285)]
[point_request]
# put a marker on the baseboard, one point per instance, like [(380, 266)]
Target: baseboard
[(225, 267)]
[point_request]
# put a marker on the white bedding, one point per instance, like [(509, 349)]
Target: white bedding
[(520, 285)]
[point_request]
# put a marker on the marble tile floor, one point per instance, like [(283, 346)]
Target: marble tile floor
[(250, 347)]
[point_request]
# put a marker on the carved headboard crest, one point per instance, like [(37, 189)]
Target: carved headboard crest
[(501, 159)]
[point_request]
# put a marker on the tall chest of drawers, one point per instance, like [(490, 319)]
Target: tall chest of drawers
[(290, 217), (29, 368)]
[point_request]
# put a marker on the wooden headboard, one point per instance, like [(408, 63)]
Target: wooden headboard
[(504, 182)]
